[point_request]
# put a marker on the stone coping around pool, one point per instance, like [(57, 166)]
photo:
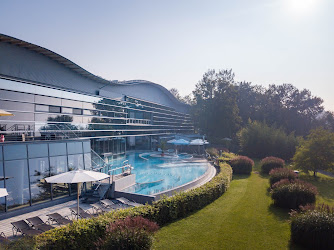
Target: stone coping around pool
[(206, 177)]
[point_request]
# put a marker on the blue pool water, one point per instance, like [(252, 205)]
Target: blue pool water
[(157, 174)]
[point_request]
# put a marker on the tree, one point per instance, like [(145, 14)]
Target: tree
[(215, 111), (316, 152)]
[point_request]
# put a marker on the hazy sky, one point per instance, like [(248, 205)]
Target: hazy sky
[(174, 42)]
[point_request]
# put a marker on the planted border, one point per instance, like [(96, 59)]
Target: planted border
[(82, 234)]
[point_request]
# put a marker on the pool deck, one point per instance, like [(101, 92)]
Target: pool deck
[(62, 209)]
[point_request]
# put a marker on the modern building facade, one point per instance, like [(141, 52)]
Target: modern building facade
[(65, 118)]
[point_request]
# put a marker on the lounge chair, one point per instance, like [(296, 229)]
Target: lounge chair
[(110, 204), (38, 224), (24, 228), (82, 213), (99, 209), (128, 202), (3, 238), (60, 220)]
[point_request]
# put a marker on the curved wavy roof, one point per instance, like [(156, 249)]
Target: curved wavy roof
[(76, 68)]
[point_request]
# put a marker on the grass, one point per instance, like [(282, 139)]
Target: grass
[(243, 218)]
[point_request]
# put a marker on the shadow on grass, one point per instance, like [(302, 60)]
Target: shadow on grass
[(280, 213), (325, 185)]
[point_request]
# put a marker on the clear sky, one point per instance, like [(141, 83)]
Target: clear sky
[(174, 42)]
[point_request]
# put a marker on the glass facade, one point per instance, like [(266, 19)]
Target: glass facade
[(24, 167)]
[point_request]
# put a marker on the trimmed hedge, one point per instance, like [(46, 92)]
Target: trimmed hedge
[(293, 194), (83, 234), (242, 165), (278, 174), (270, 163), (313, 228)]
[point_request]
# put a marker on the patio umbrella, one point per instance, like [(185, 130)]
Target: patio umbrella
[(197, 142), (5, 113), (171, 141), (77, 176), (181, 142), (3, 192)]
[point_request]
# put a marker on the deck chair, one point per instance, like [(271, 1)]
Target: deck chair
[(110, 204), (38, 224), (24, 228), (100, 209), (82, 213), (3, 238), (60, 220), (128, 202)]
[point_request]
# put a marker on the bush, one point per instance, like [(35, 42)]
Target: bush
[(242, 165), (313, 227), (83, 234), (258, 140), (130, 233), (278, 174), (270, 163), (293, 194), (213, 152)]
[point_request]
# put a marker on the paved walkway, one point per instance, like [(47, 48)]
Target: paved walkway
[(62, 209)]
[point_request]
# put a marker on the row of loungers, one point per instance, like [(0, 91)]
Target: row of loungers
[(37, 226)]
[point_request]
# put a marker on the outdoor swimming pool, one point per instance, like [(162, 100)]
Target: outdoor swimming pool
[(157, 174)]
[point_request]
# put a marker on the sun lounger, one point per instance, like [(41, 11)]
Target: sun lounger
[(100, 208), (60, 220), (3, 238), (128, 202), (38, 224), (82, 213), (110, 204), (24, 228)]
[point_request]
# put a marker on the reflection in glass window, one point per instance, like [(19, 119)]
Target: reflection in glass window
[(38, 171), (75, 162), (88, 161), (17, 183), (42, 108), (77, 111), (2, 199), (14, 152), (74, 147), (16, 96), (47, 100), (67, 110), (57, 149), (58, 165), (54, 109), (37, 150)]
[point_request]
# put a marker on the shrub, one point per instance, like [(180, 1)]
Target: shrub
[(242, 165), (278, 174), (213, 152), (270, 163), (294, 194), (83, 234), (129, 233), (313, 227)]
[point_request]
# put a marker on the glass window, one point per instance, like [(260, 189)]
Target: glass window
[(75, 162), (88, 161), (11, 95), (8, 105), (86, 146), (69, 103), (42, 108), (58, 165), (74, 147), (67, 110), (37, 150), (18, 183), (54, 109), (77, 111), (57, 149), (2, 199), (47, 100), (1, 153), (15, 152), (38, 171)]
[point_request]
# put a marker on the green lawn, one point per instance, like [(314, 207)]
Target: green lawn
[(243, 218)]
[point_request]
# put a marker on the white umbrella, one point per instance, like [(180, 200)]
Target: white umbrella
[(3, 192), (197, 142), (77, 176), (181, 142), (171, 141)]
